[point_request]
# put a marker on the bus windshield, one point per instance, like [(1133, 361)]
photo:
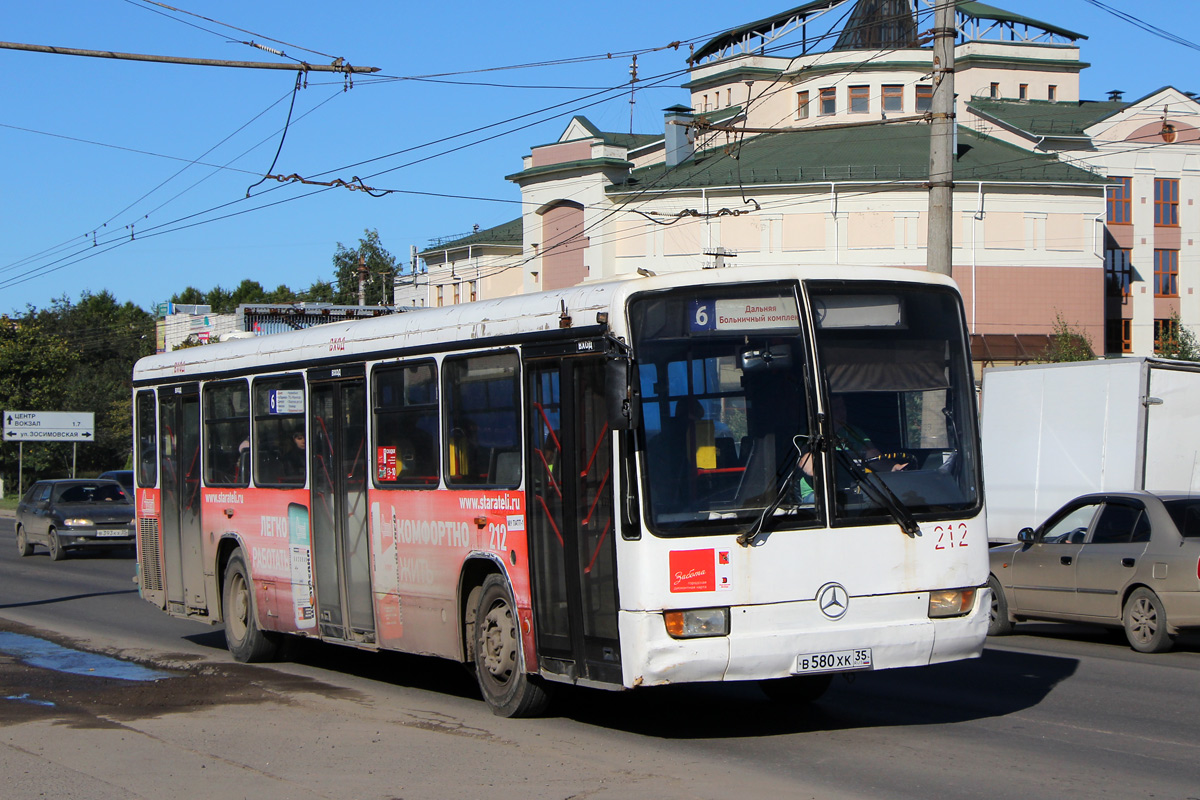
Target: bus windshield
[(730, 390)]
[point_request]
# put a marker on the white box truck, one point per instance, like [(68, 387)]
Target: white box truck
[(1054, 431)]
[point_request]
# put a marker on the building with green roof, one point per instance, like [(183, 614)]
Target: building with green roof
[(806, 139)]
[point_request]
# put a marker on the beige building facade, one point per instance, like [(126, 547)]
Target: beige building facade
[(820, 155)]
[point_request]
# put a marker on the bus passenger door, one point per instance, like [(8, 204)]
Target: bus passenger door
[(341, 543), (179, 470), (570, 518)]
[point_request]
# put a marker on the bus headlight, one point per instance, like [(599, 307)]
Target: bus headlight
[(693, 623), (951, 603)]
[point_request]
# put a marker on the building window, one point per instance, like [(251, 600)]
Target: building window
[(1166, 273), (1166, 201), (1120, 208), (1023, 91), (828, 101), (474, 285), (860, 99), (893, 99), (728, 97), (1118, 336), (1052, 93), (994, 91), (924, 98), (440, 297), (802, 105), (1118, 274), (1166, 335)]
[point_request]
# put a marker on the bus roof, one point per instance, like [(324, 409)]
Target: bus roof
[(451, 327)]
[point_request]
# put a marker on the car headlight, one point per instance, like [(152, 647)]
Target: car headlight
[(951, 603), (693, 623), (78, 522)]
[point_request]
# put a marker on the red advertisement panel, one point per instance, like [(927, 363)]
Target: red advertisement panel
[(693, 570)]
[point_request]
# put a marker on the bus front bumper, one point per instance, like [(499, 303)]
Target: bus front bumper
[(772, 641)]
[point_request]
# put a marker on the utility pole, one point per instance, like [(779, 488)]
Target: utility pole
[(939, 246), (362, 280)]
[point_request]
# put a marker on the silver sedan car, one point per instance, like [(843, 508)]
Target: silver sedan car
[(1124, 559)]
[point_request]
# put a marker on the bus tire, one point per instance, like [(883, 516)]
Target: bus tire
[(499, 658), (245, 640), (798, 689), (999, 623)]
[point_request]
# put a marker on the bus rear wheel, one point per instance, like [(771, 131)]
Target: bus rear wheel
[(498, 656), (245, 640)]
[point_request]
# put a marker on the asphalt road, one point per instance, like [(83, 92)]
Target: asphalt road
[(1055, 711)]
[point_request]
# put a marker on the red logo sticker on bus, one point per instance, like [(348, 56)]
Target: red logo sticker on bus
[(385, 463), (693, 571)]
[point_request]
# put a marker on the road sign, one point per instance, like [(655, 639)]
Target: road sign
[(49, 426)]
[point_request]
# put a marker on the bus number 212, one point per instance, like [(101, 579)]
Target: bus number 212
[(950, 536), (498, 536)]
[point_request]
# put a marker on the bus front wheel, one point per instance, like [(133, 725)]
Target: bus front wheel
[(498, 656), (246, 641)]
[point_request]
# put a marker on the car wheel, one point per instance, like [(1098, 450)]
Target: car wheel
[(999, 623), (1146, 623), (57, 551), (797, 690), (499, 658), (24, 548), (245, 640)]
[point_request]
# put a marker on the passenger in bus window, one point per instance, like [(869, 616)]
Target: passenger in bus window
[(293, 455)]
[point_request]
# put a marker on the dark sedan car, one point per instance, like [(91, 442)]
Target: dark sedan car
[(1127, 559), (70, 513), (121, 476)]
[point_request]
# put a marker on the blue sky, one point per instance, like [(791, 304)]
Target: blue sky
[(152, 162)]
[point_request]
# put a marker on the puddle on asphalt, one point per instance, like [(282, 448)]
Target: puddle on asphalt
[(47, 655)]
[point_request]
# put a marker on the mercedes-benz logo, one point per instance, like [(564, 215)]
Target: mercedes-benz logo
[(833, 600)]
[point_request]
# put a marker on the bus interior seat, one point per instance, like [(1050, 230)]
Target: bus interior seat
[(727, 455), (505, 468)]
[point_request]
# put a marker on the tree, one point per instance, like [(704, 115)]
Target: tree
[(1067, 344), (221, 300), (248, 291), (320, 292), (380, 271), (32, 366), (1176, 341), (75, 357), (191, 296)]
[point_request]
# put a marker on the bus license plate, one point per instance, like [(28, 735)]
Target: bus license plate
[(834, 661), (114, 533)]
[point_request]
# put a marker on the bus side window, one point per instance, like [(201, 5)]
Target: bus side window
[(483, 421), (279, 453), (405, 403), (147, 463), (227, 434)]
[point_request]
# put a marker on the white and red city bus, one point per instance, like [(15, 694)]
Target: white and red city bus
[(748, 474)]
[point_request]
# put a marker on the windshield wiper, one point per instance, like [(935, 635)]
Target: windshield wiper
[(876, 487), (758, 527)]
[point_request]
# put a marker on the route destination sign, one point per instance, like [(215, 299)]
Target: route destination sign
[(49, 426)]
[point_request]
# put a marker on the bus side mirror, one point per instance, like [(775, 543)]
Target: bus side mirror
[(619, 397)]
